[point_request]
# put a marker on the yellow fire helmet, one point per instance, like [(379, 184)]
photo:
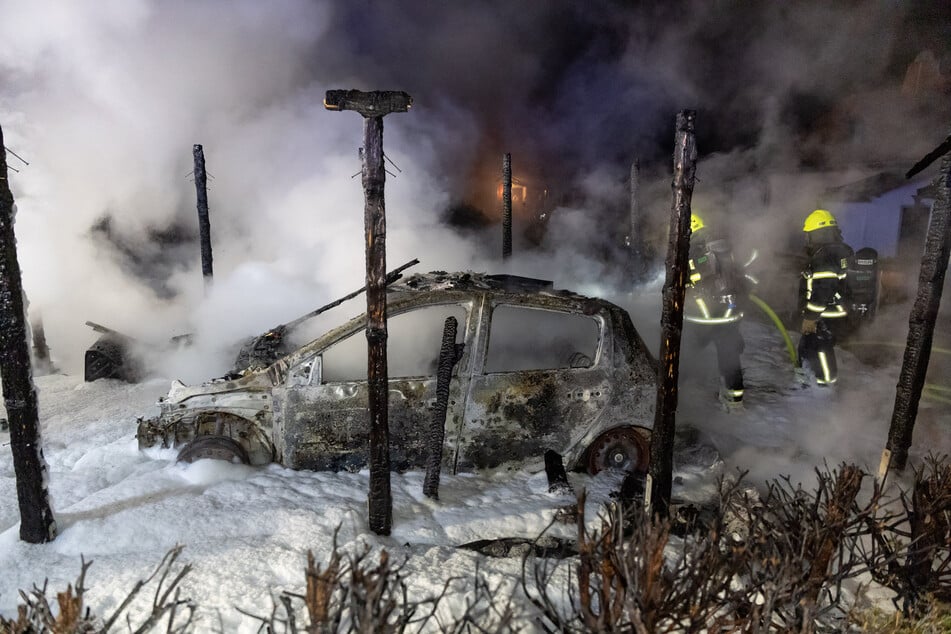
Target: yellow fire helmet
[(696, 222), (818, 219)]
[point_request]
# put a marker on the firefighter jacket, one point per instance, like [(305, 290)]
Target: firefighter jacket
[(823, 290), (713, 283)]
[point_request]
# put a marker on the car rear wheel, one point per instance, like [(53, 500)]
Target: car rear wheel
[(624, 448), (214, 447)]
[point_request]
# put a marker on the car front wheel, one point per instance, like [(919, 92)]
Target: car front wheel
[(214, 447)]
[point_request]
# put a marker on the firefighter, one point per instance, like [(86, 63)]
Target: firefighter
[(822, 295), (713, 288)]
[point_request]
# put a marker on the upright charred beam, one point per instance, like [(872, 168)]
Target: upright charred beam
[(374, 106), (204, 224), (555, 471), (449, 354), (506, 206), (672, 315), (36, 515), (41, 351), (921, 323), (374, 219)]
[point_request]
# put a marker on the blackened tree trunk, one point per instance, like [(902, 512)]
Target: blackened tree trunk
[(374, 177), (660, 469), (36, 515), (204, 224), (448, 356), (911, 380), (506, 206)]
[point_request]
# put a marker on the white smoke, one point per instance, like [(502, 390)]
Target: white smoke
[(106, 100)]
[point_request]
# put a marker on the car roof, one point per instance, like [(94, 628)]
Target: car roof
[(480, 283), (421, 289), (440, 287)]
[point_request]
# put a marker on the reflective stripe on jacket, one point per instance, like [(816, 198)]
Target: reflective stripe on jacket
[(702, 308), (824, 282)]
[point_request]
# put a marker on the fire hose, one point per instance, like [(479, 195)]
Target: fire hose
[(790, 348), (931, 392)]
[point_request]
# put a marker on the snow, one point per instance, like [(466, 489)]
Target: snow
[(246, 530)]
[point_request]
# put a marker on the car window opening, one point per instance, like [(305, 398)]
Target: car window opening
[(524, 338), (412, 348)]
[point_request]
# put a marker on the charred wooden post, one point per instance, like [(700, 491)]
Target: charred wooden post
[(449, 354), (921, 323), (660, 470), (36, 515), (374, 106), (41, 351), (204, 224), (555, 470), (507, 206)]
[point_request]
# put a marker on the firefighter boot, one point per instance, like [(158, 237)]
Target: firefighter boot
[(730, 400)]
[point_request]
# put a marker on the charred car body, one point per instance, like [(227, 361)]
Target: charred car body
[(540, 369)]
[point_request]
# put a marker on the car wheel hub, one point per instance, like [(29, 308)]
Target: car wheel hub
[(621, 448)]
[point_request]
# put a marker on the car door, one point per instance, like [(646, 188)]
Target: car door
[(539, 380), (323, 412)]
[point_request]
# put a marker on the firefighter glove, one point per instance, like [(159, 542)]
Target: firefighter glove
[(809, 326)]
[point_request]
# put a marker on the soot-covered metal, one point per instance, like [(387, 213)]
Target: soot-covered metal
[(505, 405)]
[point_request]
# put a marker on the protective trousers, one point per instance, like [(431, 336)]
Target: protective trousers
[(817, 352), (729, 345)]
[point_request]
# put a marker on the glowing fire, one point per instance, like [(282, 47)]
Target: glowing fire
[(519, 192)]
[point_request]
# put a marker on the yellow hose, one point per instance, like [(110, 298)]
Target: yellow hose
[(790, 348), (929, 388)]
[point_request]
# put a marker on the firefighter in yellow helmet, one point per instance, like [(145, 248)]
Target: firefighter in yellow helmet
[(713, 288), (822, 294)]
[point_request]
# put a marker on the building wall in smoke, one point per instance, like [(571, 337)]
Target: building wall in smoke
[(877, 222)]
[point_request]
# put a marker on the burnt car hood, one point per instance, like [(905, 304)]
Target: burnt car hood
[(257, 382)]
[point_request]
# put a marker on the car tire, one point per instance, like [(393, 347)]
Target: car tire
[(624, 448), (215, 448)]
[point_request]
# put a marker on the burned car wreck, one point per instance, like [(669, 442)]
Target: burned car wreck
[(540, 369)]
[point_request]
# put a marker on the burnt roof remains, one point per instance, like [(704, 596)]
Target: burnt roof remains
[(472, 281)]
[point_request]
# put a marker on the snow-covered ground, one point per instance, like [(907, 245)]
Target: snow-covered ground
[(246, 530)]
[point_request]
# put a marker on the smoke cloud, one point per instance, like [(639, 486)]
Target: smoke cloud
[(106, 100)]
